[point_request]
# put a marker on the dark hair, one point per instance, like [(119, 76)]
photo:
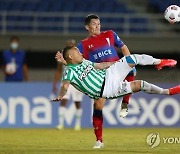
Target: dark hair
[(65, 51), (14, 38), (88, 18)]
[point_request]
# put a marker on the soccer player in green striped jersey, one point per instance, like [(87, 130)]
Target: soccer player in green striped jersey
[(106, 79)]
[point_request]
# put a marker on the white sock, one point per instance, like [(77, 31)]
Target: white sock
[(145, 59), (61, 115), (78, 117), (152, 89)]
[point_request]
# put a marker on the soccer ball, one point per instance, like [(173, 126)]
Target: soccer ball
[(172, 14)]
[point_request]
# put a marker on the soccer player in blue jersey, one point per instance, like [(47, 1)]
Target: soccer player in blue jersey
[(100, 47), (14, 62)]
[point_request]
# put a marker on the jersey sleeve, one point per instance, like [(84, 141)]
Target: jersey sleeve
[(67, 75), (80, 47), (117, 41)]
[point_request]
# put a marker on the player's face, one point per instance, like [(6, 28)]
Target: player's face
[(94, 27), (76, 55)]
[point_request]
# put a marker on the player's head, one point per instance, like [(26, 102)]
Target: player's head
[(72, 55), (14, 43), (92, 24)]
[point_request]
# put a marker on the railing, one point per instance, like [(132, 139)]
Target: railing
[(65, 23)]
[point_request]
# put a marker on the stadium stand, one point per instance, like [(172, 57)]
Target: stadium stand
[(64, 5), (161, 5), (36, 22)]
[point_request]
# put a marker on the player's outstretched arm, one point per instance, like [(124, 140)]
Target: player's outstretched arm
[(59, 58), (63, 90), (103, 65), (125, 50)]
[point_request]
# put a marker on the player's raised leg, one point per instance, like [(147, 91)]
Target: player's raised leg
[(149, 60), (142, 60), (140, 85)]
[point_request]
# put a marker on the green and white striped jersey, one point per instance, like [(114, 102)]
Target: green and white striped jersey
[(85, 78)]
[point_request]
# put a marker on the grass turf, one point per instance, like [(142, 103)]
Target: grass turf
[(129, 140)]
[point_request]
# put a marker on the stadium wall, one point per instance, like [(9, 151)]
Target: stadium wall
[(138, 43), (27, 105)]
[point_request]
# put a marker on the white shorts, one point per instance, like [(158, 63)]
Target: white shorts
[(76, 95), (115, 86)]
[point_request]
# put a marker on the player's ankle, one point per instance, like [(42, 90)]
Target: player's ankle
[(100, 139), (157, 61), (124, 105)]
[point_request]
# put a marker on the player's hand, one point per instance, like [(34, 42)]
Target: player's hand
[(56, 99), (59, 58)]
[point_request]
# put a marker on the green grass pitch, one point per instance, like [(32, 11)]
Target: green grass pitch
[(116, 140)]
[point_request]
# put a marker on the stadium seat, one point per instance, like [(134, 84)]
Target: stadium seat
[(15, 6), (138, 25), (161, 5), (62, 6), (29, 6), (4, 5)]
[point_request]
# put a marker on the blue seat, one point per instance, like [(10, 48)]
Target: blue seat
[(4, 5), (16, 6), (50, 29), (43, 6), (11, 28), (116, 20), (29, 6), (104, 20), (62, 6), (138, 20), (76, 29), (141, 24), (11, 18), (161, 5), (24, 28), (26, 18), (55, 7), (76, 19)]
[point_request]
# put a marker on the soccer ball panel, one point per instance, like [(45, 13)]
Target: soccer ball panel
[(172, 14)]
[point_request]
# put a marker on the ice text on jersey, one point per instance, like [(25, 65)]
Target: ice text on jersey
[(102, 54)]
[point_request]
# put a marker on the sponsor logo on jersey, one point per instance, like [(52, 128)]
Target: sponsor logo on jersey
[(102, 54), (85, 72)]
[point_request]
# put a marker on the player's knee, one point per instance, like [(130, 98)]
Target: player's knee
[(136, 86), (99, 104)]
